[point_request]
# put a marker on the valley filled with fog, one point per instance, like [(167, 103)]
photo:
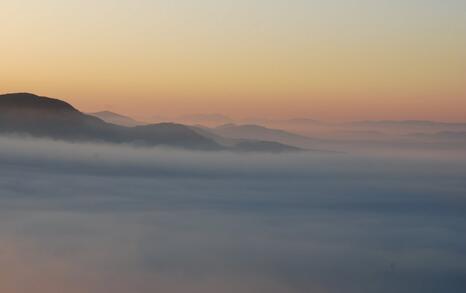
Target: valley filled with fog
[(88, 217), (245, 146)]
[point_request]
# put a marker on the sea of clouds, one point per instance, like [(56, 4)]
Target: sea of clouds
[(81, 217)]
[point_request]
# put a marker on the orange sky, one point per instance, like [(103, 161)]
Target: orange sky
[(330, 60)]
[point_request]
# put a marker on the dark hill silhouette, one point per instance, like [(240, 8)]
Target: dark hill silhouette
[(38, 116), (34, 103), (46, 117), (42, 116)]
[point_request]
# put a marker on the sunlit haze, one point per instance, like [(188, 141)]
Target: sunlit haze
[(322, 59), (242, 146)]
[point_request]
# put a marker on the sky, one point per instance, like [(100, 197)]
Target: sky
[(328, 60)]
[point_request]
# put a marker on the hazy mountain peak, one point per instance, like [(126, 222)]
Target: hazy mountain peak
[(227, 125), (108, 113), (301, 120), (115, 118), (256, 131), (212, 119)]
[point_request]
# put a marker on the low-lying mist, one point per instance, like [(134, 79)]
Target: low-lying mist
[(81, 217)]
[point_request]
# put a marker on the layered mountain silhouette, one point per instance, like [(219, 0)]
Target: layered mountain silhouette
[(253, 131), (26, 113), (300, 121), (209, 119), (115, 118), (442, 135), (258, 132), (407, 123)]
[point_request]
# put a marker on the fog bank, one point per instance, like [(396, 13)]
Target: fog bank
[(104, 218)]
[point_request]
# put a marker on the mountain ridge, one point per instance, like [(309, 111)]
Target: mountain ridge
[(48, 117), (116, 118), (415, 123)]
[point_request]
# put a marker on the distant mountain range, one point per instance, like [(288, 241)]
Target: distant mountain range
[(209, 119), (253, 131), (300, 121), (407, 123), (38, 116), (258, 132), (117, 119), (445, 135)]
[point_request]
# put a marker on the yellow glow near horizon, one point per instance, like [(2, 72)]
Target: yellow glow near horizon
[(333, 59)]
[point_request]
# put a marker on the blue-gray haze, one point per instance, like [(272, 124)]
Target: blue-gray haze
[(101, 218)]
